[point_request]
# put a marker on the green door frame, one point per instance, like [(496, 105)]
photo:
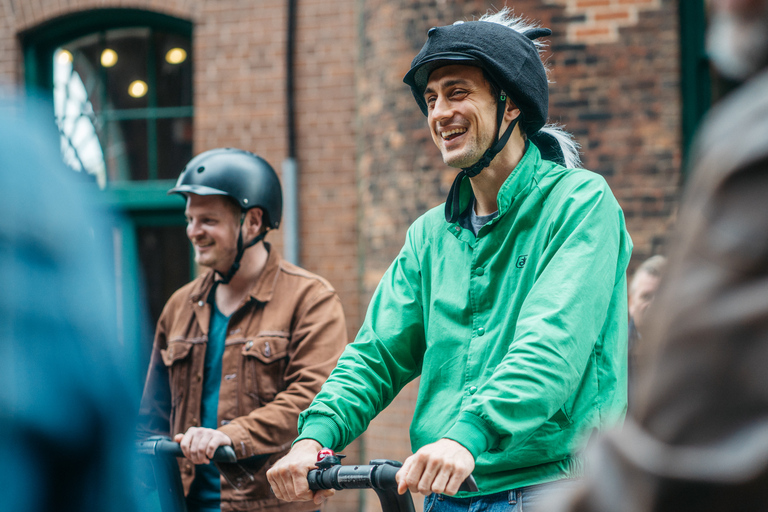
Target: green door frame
[(695, 79), (141, 203)]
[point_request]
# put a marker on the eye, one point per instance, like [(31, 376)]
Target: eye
[(458, 93), (431, 99)]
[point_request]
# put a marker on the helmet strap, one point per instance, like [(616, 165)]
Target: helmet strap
[(452, 203), (241, 247)]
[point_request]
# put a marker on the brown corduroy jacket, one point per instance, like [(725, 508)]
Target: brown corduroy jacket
[(281, 345)]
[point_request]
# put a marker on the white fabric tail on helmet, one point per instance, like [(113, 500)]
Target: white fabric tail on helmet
[(506, 17)]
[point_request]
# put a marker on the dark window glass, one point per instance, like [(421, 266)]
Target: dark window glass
[(175, 137), (165, 258)]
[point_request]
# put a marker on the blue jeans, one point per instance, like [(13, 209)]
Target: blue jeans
[(523, 499)]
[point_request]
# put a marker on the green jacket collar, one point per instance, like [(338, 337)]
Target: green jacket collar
[(518, 181)]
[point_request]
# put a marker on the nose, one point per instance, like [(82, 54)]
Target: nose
[(442, 109), (193, 229)]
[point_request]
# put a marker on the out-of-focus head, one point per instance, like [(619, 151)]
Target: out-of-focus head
[(737, 40), (643, 287)]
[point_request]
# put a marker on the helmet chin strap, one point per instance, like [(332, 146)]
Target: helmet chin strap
[(452, 204), (226, 278)]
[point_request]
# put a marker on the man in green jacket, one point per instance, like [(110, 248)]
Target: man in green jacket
[(509, 303)]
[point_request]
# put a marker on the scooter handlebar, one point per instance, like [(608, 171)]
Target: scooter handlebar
[(380, 474), (159, 445)]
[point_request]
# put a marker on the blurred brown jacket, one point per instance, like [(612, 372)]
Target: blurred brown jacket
[(697, 438), (281, 345)]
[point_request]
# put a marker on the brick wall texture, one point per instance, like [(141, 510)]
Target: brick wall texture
[(367, 166)]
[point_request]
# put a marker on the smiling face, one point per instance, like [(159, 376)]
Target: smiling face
[(212, 227), (461, 113)]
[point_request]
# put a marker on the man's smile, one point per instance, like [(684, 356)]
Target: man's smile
[(453, 133)]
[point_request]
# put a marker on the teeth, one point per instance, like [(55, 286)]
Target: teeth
[(447, 134)]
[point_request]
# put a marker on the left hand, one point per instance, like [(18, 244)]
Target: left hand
[(438, 467), (199, 444)]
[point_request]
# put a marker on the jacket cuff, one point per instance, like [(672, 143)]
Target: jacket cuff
[(473, 433), (241, 440), (322, 429)]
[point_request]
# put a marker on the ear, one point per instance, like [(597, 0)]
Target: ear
[(254, 221), (510, 111)]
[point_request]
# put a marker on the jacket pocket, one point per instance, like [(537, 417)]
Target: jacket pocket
[(265, 359), (177, 360)]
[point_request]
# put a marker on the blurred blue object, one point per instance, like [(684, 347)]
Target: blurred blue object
[(66, 403)]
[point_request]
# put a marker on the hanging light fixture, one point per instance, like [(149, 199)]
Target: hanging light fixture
[(108, 57), (64, 56), (176, 56), (138, 88)]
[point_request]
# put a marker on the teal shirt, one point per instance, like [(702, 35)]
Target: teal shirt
[(519, 334), (205, 491)]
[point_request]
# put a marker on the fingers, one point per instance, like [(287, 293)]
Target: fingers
[(199, 444), (288, 477), (439, 467)]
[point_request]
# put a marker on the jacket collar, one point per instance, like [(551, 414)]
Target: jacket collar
[(519, 180)]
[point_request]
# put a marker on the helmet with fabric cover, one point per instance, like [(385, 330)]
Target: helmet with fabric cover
[(245, 177), (510, 58)]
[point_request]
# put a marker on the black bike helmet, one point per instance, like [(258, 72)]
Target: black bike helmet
[(509, 58), (245, 177)]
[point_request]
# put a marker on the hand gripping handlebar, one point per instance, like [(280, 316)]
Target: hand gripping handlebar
[(159, 445), (379, 475)]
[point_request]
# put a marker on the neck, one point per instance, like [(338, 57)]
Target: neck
[(487, 184), (229, 296)]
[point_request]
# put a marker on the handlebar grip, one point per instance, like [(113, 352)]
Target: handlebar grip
[(159, 445), (468, 485)]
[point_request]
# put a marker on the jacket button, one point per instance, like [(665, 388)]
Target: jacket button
[(267, 349), (170, 352), (248, 345), (194, 421), (480, 331), (199, 377), (188, 469), (479, 271), (472, 390)]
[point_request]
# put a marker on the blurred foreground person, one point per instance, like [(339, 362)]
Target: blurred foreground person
[(66, 419), (697, 436)]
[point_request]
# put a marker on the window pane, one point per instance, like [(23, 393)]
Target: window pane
[(175, 137), (131, 48), (173, 60), (126, 149)]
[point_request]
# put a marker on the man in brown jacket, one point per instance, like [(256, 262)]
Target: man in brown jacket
[(697, 437), (240, 351)]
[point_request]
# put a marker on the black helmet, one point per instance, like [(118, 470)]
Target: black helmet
[(509, 57), (245, 177)]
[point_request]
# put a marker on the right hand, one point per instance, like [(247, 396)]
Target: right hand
[(288, 477)]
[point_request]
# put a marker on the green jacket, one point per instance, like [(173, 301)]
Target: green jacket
[(519, 335)]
